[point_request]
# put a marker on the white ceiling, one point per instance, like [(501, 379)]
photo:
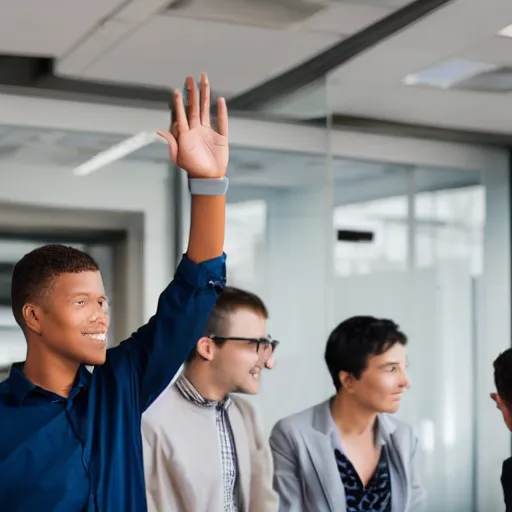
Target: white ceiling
[(371, 84), (136, 42), (140, 42)]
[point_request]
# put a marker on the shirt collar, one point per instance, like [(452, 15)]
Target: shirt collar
[(187, 389), (21, 386)]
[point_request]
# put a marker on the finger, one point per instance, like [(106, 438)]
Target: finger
[(179, 112), (173, 145), (222, 117), (205, 100), (192, 103), (174, 131)]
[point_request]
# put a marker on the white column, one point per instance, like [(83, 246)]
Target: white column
[(295, 285)]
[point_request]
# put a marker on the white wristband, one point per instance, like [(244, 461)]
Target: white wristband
[(208, 187)]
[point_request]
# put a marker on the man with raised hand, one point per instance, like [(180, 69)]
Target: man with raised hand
[(70, 441)]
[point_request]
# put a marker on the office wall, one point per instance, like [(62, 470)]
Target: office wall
[(122, 187)]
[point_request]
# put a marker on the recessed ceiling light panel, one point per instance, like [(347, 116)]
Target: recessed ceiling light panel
[(506, 32), (449, 73)]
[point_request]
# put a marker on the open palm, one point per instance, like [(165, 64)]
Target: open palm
[(193, 145)]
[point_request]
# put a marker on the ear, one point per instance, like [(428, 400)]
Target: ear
[(32, 316), (347, 381), (206, 348)]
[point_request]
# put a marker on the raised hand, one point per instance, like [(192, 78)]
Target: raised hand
[(193, 145)]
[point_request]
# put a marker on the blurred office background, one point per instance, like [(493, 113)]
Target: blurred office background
[(370, 174)]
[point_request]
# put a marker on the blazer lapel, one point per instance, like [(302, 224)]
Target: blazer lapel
[(242, 451), (323, 460), (398, 475), (321, 452)]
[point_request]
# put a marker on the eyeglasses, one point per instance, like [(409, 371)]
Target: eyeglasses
[(267, 343)]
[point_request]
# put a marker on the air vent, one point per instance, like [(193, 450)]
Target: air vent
[(260, 13), (355, 237)]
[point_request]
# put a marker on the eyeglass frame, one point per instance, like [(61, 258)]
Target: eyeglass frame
[(273, 343)]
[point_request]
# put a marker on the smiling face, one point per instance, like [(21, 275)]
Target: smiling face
[(237, 365), (72, 319), (382, 384)]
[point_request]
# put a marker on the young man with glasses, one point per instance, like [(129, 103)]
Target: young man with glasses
[(211, 452)]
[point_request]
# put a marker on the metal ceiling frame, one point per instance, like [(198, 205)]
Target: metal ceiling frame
[(318, 66)]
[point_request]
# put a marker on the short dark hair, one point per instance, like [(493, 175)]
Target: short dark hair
[(503, 375), (230, 300), (34, 274), (355, 340)]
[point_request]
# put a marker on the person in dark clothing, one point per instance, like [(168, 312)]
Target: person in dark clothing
[(503, 399), (70, 440)]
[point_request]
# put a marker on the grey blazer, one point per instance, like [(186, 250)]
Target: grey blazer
[(306, 476)]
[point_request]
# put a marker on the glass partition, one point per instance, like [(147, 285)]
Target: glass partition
[(410, 246), (278, 243)]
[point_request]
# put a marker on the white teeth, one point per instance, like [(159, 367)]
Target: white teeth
[(101, 336), (255, 375)]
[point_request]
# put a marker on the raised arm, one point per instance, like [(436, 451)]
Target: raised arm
[(151, 357), (204, 154)]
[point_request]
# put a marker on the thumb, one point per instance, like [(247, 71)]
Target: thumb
[(173, 145)]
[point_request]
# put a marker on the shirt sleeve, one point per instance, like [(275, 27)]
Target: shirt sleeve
[(151, 357)]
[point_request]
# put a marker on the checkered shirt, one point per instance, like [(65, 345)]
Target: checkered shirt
[(227, 447)]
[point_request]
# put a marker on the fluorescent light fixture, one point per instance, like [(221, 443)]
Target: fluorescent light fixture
[(506, 32), (116, 152), (449, 73)]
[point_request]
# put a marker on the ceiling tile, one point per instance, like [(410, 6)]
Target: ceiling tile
[(49, 28), (297, 47), (166, 49), (345, 18), (163, 51), (493, 49)]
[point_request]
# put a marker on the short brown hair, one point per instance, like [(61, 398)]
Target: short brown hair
[(33, 275), (230, 300)]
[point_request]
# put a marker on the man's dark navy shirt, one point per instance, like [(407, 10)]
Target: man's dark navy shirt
[(84, 453)]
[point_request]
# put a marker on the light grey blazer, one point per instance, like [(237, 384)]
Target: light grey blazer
[(306, 475)]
